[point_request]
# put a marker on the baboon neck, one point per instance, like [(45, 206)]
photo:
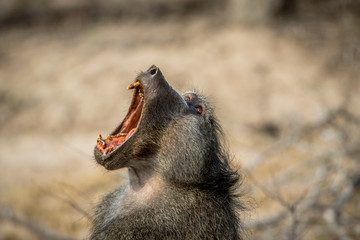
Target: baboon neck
[(139, 177), (144, 186)]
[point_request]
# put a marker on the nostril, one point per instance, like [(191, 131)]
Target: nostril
[(153, 71)]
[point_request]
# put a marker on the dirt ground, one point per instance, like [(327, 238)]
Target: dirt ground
[(60, 87)]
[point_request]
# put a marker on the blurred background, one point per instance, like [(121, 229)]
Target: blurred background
[(283, 75)]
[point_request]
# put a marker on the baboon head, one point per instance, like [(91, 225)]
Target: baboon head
[(163, 131)]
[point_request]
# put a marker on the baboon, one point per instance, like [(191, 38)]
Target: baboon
[(180, 184)]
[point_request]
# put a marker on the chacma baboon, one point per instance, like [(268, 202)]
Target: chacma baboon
[(180, 183)]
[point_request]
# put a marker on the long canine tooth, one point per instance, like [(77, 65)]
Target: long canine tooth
[(101, 142), (134, 85), (99, 137)]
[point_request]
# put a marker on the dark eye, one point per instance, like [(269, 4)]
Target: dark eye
[(199, 109), (187, 98)]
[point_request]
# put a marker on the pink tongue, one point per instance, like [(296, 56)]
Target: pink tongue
[(130, 133)]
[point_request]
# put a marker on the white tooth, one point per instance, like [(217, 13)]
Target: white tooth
[(101, 142)]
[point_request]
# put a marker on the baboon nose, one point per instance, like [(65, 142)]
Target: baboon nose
[(153, 78), (153, 70)]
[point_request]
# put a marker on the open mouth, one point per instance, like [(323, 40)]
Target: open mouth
[(128, 126)]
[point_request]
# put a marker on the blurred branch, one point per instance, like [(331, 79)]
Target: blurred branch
[(77, 191), (331, 220), (267, 221), (72, 203), (307, 201), (332, 164), (303, 166), (294, 138), (351, 117), (291, 208), (39, 230)]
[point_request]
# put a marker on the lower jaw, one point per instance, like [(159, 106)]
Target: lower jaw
[(111, 143)]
